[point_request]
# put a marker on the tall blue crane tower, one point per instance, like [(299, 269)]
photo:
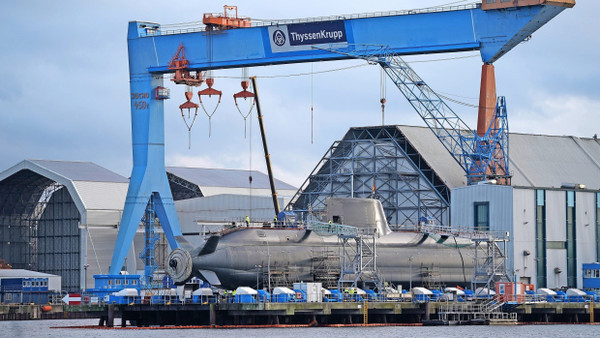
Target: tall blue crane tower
[(492, 28)]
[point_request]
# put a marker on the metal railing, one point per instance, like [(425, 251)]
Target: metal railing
[(463, 232), (274, 22)]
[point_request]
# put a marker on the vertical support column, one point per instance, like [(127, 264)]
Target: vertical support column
[(148, 176), (213, 315), (110, 322), (487, 99)]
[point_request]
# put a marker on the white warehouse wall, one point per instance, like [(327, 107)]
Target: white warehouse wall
[(523, 235), (500, 200), (556, 216), (499, 197), (556, 259), (585, 230), (514, 210)]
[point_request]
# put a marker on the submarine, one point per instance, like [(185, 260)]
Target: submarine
[(239, 256)]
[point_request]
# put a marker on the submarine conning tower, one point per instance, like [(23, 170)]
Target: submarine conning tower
[(363, 213)]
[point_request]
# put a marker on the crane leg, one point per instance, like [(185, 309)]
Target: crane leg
[(487, 99), (148, 177)]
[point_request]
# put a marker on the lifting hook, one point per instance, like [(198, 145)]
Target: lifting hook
[(245, 94), (210, 91), (189, 120)]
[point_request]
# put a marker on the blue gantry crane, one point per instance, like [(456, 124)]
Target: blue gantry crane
[(493, 28)]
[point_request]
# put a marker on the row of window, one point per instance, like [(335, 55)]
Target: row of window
[(35, 284), (122, 282), (591, 273)]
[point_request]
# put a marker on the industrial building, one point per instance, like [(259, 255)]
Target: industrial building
[(24, 286), (551, 211), (62, 217), (207, 199)]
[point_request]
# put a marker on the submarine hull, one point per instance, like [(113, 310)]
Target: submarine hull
[(240, 257)]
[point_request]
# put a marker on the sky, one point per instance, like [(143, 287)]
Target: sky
[(64, 86)]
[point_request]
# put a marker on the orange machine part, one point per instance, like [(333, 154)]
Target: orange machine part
[(244, 93), (210, 91), (179, 63), (487, 99), (224, 21), (188, 104)]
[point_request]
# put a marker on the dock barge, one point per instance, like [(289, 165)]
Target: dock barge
[(346, 313)]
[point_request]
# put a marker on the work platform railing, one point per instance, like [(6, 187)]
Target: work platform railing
[(462, 232)]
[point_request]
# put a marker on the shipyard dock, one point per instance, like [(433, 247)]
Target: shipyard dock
[(345, 313)]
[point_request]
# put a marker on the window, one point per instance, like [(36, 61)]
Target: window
[(482, 216), (110, 282), (556, 245), (134, 282), (571, 241), (540, 237), (118, 282)]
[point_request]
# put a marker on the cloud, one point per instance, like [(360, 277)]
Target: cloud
[(65, 93), (557, 114), (179, 160)]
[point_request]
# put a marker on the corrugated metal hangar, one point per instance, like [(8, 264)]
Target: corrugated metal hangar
[(61, 217)]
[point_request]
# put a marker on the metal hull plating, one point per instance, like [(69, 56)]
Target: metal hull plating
[(248, 255)]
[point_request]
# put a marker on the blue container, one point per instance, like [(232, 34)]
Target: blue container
[(123, 300), (335, 296), (561, 296), (198, 299), (422, 298), (12, 284), (283, 298), (592, 296), (300, 296), (371, 295), (263, 296), (437, 294), (35, 297), (576, 299), (245, 299)]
